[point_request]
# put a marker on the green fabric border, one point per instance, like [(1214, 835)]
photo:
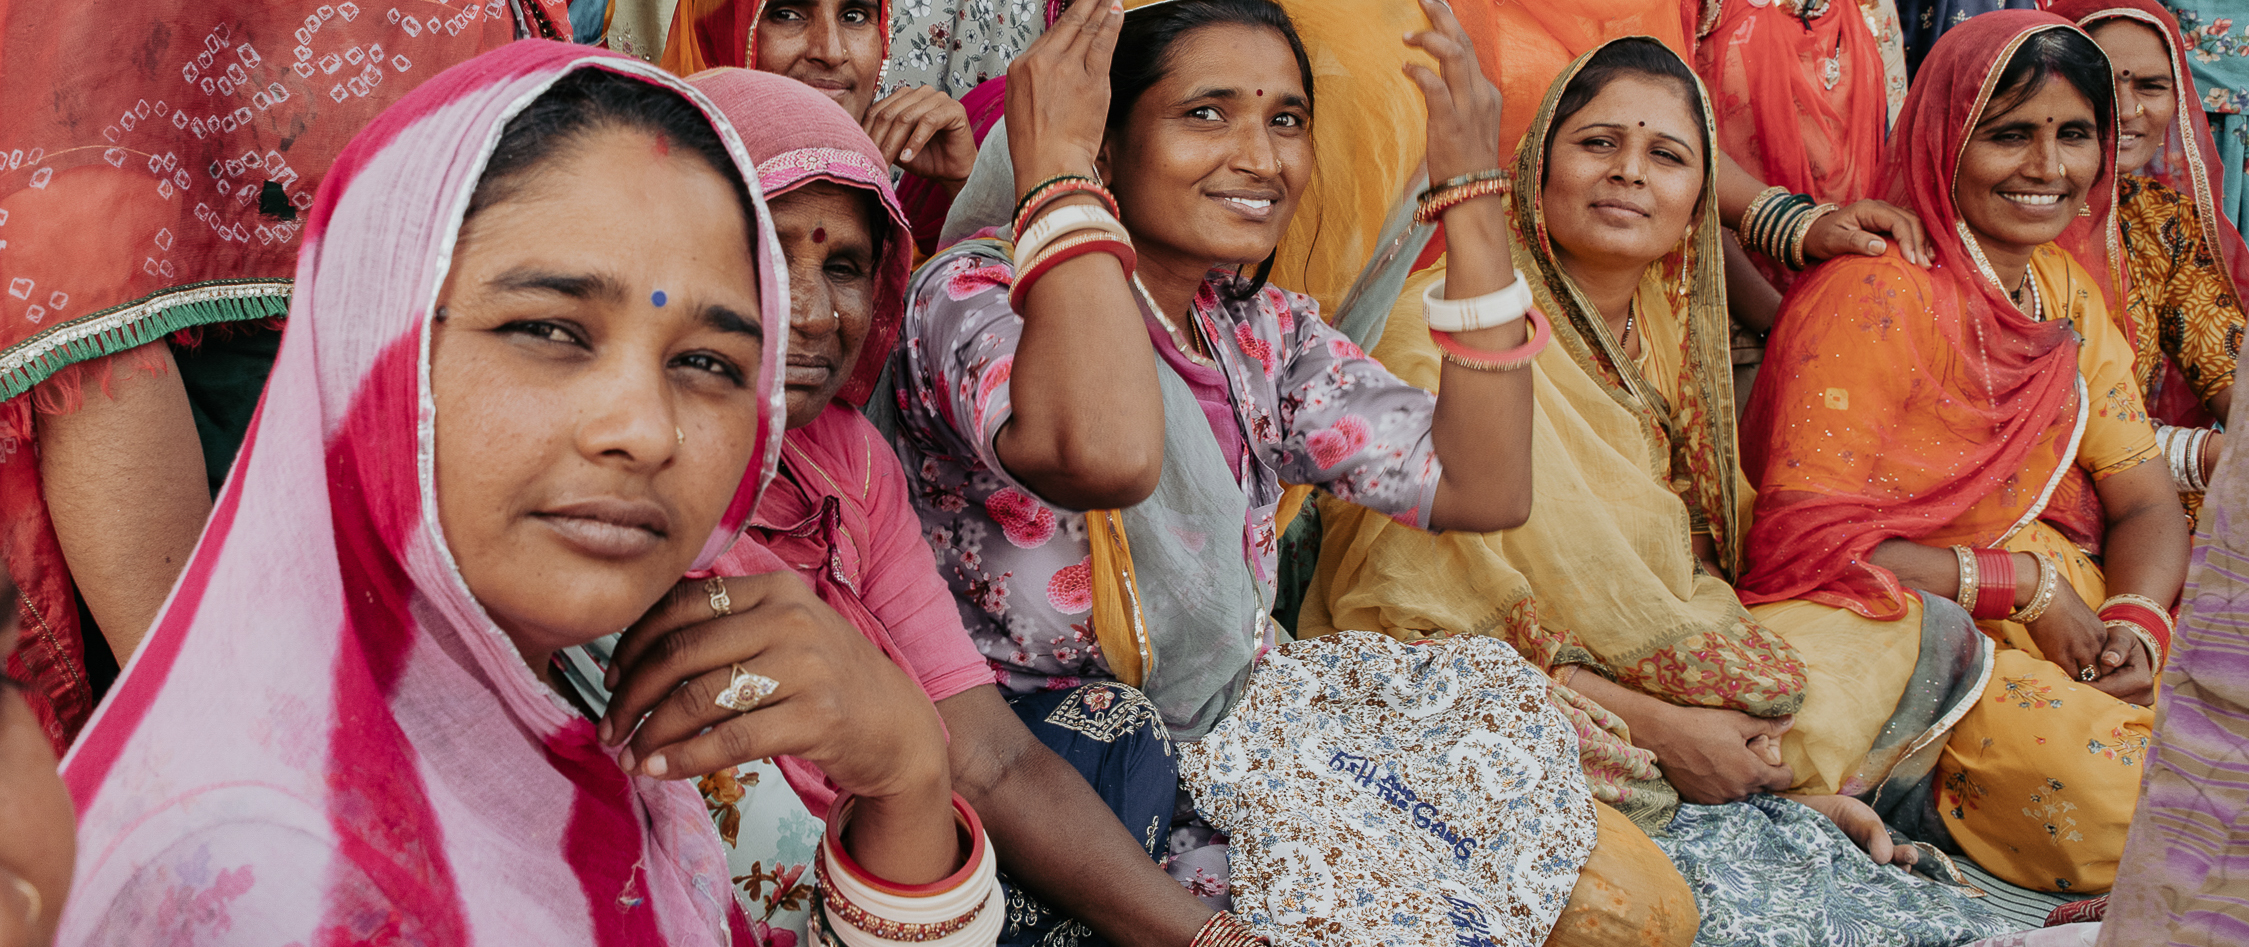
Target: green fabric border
[(157, 321)]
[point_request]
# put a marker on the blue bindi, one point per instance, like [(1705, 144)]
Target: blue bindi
[(658, 298)]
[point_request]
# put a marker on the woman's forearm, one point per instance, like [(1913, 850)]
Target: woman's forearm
[(1482, 427), (1056, 836), (1088, 425), (124, 482), (909, 838), (2145, 549)]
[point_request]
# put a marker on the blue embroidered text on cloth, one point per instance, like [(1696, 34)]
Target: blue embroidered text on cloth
[(1383, 793)]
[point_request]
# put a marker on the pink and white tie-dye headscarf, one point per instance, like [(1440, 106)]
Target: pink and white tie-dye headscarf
[(324, 739)]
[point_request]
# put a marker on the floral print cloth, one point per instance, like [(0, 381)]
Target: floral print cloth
[(958, 44), (2220, 62), (1768, 872), (1313, 407), (1377, 792)]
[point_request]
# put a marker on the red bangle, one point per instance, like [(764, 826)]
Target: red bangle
[(1995, 573), (968, 823), (1037, 200), (2142, 616), (1064, 250), (1542, 332)]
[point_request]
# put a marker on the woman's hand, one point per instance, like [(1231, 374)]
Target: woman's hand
[(1463, 105), (2071, 636), (1858, 821), (2132, 680), (1717, 756), (926, 132), (1058, 94), (1858, 228), (840, 705), (673, 663)]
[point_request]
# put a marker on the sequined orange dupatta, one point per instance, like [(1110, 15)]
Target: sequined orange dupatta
[(1849, 449)]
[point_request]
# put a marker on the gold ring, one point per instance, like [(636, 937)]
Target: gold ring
[(2087, 674), (715, 587), (746, 691)]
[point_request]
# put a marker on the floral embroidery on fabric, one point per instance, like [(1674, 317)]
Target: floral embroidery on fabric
[(2026, 693), (791, 167), (2129, 748), (1107, 711)]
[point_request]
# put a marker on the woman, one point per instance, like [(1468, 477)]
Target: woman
[(839, 516), (1974, 432), (2184, 267), (1615, 585), (841, 47), (505, 421), (134, 341)]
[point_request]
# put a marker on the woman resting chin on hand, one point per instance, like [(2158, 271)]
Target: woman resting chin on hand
[(504, 422)]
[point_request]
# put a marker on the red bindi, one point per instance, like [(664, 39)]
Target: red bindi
[(1261, 93), (663, 147), (819, 235)]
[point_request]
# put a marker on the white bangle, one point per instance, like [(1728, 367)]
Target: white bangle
[(1065, 220), (1488, 311), (860, 914)]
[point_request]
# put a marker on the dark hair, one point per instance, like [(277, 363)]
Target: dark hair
[(591, 100), (2056, 52), (1144, 57), (1633, 55)]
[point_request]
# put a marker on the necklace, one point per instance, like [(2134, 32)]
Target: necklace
[(1179, 340)]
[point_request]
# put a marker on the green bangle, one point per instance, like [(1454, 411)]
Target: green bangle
[(1033, 193)]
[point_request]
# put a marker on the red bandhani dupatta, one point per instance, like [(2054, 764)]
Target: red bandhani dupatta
[(156, 165), (325, 739), (2187, 162), (1800, 100), (1850, 452)]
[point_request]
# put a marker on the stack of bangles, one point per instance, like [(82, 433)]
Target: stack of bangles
[(865, 911), (2145, 619), (1047, 236), (1987, 585), (2182, 449), (1442, 196), (1491, 310), (1777, 222), (1225, 929)]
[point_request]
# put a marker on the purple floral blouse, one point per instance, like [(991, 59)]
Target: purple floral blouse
[(1314, 408)]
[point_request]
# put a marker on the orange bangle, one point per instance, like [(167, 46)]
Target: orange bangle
[(1542, 332), (1435, 205)]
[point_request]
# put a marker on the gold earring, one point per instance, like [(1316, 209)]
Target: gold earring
[(681, 434)]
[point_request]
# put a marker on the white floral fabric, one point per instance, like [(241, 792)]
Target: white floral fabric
[(958, 44), (1377, 792)]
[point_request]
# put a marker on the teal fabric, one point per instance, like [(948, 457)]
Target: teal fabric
[(2219, 32)]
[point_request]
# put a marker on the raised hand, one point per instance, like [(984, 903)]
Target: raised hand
[(926, 132), (1464, 107), (1058, 94)]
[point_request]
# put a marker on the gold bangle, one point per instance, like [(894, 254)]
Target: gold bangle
[(1804, 226), (1756, 204), (1968, 579), (2049, 580)]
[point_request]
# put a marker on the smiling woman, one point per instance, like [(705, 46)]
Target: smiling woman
[(486, 440), (1974, 432)]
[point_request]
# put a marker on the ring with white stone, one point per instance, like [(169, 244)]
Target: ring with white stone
[(746, 691)]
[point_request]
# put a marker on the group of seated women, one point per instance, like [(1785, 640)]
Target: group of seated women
[(944, 613)]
